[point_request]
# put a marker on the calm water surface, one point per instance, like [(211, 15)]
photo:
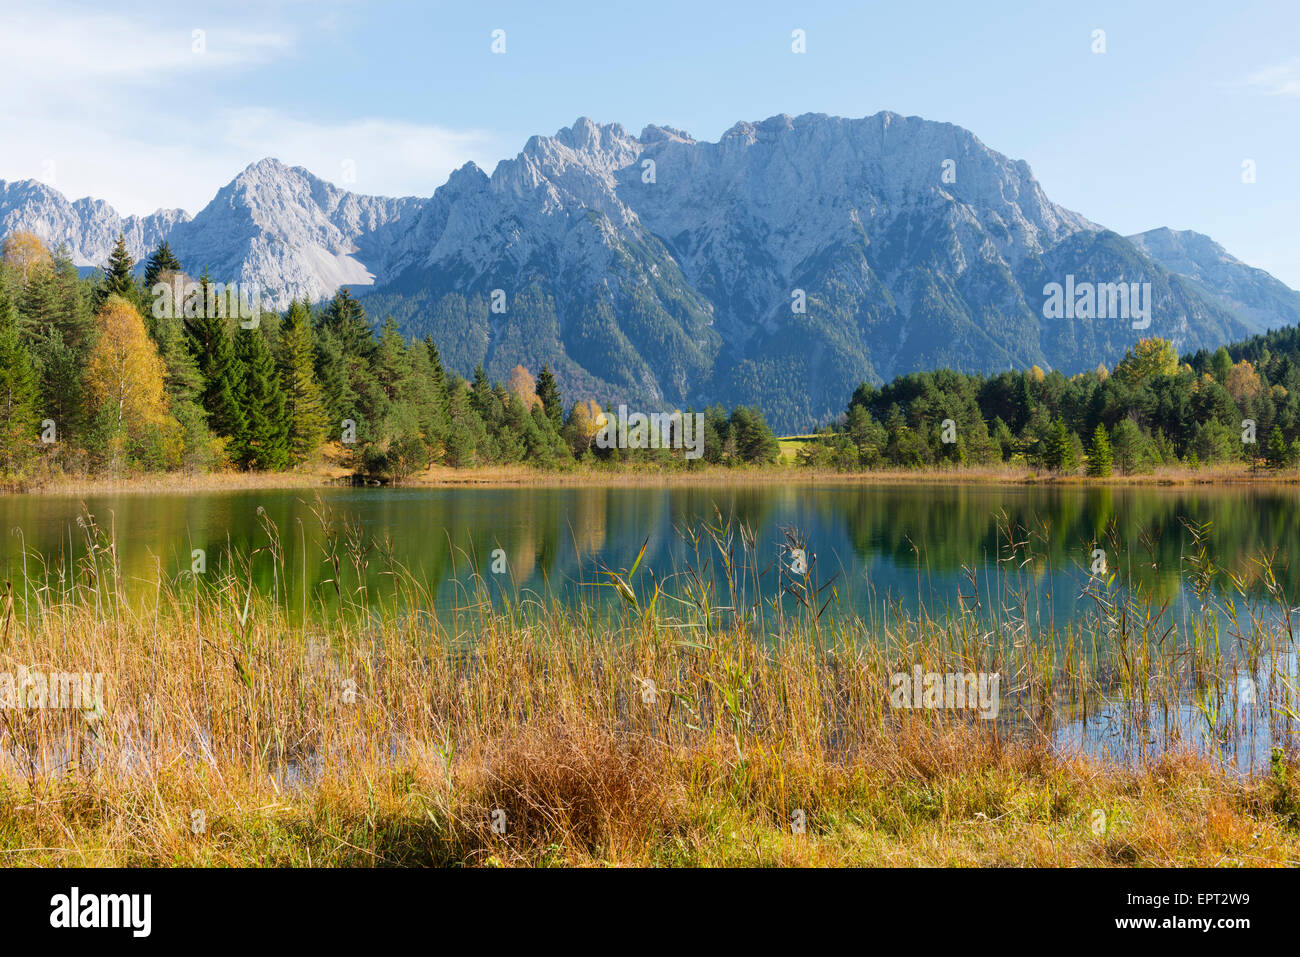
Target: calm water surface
[(908, 546)]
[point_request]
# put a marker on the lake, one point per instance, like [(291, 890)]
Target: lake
[(884, 547), (1018, 556)]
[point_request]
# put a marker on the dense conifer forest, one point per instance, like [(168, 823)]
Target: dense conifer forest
[(109, 374)]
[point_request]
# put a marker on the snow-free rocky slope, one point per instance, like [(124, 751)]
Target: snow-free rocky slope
[(1258, 299), (89, 227), (659, 270)]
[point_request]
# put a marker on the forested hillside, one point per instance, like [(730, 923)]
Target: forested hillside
[(100, 375), (1236, 403)]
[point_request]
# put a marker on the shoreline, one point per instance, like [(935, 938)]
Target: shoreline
[(497, 477)]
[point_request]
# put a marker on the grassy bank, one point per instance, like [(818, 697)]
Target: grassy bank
[(701, 724), (581, 796), (507, 476)]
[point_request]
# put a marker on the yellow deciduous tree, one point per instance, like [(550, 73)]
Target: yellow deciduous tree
[(585, 423), (125, 389), (1243, 382), (1147, 359), (522, 384), (24, 251)]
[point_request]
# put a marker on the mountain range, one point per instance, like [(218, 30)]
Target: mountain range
[(779, 266)]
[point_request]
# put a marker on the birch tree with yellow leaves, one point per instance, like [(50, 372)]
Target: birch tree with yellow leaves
[(125, 385)]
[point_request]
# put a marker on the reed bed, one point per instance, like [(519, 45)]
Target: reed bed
[(727, 713)]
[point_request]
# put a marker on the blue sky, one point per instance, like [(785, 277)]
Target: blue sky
[(113, 101)]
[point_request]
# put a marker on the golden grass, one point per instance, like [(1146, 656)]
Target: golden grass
[(168, 483), (232, 734), (330, 473)]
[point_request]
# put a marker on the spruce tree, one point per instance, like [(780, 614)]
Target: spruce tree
[(184, 384), (72, 312), (18, 391), (438, 375), (303, 406), (1277, 453), (426, 400), (393, 363), (484, 399), (1024, 403), (162, 260), (345, 317), (38, 307), (1059, 454), (209, 342), (265, 444), (116, 279), (549, 393), (54, 321), (1100, 457), (361, 397)]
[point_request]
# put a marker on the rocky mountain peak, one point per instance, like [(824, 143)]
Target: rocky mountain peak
[(780, 265)]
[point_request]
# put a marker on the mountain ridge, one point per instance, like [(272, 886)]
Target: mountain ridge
[(666, 270)]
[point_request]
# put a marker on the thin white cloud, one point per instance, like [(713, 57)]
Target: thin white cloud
[(368, 155), (187, 166), (1281, 79), (75, 80), (62, 50)]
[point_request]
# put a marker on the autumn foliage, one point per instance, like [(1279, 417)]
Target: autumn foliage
[(125, 389)]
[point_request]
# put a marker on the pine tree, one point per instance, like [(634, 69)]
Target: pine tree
[(393, 363), (1277, 453), (1060, 454), (184, 385), (162, 260), (549, 393), (1131, 448), (755, 441), (209, 342), (1100, 457), (116, 279), (427, 401), (438, 374), (339, 400), (265, 444), (18, 391), (303, 406), (345, 317), (484, 399), (349, 367)]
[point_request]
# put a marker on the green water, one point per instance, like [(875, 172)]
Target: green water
[(905, 545)]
